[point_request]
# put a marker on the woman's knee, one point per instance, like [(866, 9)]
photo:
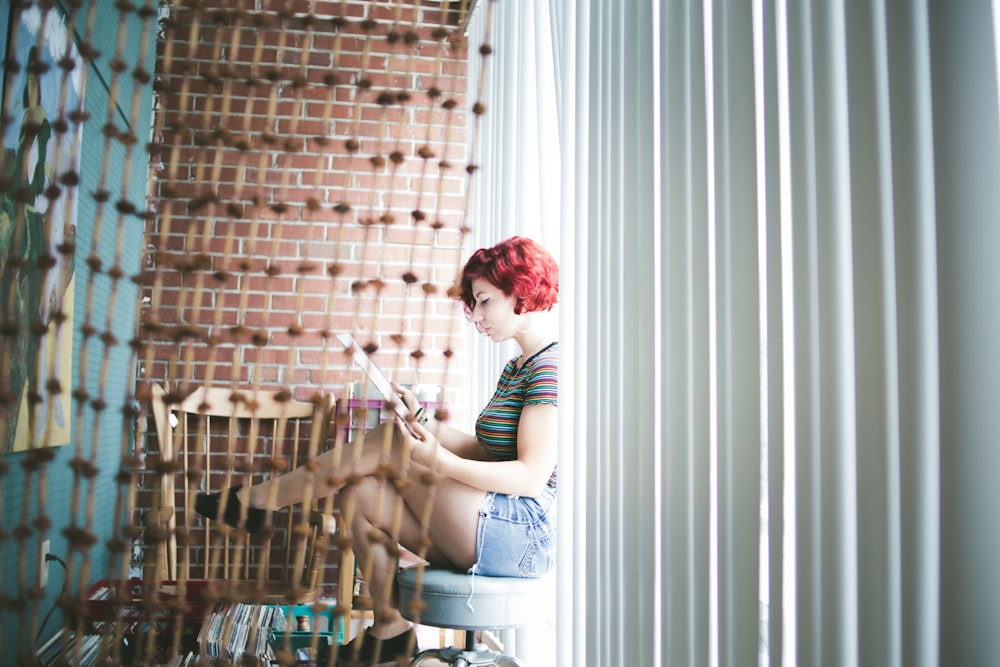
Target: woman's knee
[(365, 496), (360, 491)]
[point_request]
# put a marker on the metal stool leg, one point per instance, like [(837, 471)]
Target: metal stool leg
[(508, 639)]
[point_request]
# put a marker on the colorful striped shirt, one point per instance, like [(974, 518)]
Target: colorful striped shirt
[(536, 382)]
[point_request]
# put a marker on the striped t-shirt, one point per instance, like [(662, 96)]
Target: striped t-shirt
[(536, 382)]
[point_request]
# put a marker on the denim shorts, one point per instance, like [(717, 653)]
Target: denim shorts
[(516, 536)]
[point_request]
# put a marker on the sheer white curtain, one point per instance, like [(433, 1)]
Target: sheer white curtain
[(526, 187), (779, 240), (516, 191)]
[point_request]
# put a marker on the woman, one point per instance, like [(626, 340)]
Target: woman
[(506, 470)]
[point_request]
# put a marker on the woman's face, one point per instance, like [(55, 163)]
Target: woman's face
[(493, 313)]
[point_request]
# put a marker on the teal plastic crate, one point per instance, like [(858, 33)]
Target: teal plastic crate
[(328, 627)]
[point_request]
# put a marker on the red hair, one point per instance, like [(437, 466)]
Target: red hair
[(518, 267)]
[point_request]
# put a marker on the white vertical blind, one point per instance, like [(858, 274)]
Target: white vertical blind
[(916, 210), (963, 115), (779, 238), (571, 25), (684, 404)]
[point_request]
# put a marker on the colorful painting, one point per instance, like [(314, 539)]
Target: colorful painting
[(36, 292)]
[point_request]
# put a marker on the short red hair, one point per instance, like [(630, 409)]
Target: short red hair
[(518, 267)]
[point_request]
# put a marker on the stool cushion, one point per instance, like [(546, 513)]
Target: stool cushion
[(496, 602)]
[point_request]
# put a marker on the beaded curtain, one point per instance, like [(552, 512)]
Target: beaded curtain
[(249, 179)]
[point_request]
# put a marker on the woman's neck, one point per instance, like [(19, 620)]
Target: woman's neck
[(532, 345), (539, 334)]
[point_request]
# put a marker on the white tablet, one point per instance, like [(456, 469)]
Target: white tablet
[(375, 374)]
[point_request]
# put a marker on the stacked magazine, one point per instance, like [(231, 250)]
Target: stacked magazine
[(238, 631), (84, 650)]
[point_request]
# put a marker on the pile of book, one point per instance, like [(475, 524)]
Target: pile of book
[(106, 619), (238, 631), (83, 650), (229, 634)]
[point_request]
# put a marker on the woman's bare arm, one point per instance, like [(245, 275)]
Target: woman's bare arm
[(452, 439), (458, 442), (537, 449)]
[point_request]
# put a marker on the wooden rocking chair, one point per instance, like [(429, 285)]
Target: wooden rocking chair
[(212, 436)]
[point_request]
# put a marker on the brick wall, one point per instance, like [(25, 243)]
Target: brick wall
[(308, 176)]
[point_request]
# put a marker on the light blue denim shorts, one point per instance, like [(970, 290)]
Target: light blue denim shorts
[(516, 536)]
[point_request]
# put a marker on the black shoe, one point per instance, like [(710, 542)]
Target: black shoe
[(391, 649), (207, 505)]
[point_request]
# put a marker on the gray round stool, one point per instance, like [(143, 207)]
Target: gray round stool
[(462, 602)]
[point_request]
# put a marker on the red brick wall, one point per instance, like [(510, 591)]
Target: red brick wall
[(267, 124)]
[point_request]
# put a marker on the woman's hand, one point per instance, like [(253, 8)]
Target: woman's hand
[(408, 398), (424, 446), (411, 403)]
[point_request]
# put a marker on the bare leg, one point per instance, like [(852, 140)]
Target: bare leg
[(383, 516), (375, 551), (333, 469)]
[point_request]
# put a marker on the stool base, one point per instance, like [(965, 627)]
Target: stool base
[(458, 657)]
